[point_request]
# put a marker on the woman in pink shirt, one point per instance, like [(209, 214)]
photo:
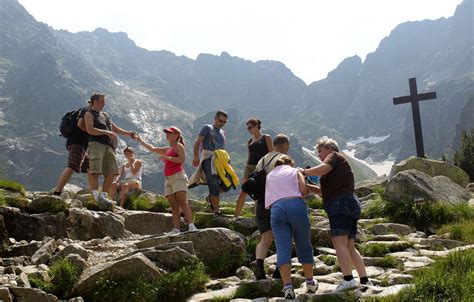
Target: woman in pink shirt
[(176, 180), (284, 190)]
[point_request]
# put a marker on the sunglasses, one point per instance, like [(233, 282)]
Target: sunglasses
[(221, 121)]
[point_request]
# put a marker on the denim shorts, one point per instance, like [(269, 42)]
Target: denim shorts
[(343, 213)]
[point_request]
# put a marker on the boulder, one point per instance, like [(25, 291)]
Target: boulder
[(23, 249), (44, 253), (366, 187), (128, 268), (47, 203), (5, 295), (413, 185), (169, 259), (321, 237), (23, 294), (432, 168), (243, 225), (147, 223), (391, 228), (77, 260), (261, 288), (470, 187), (73, 189), (3, 231), (73, 248), (216, 245), (82, 224)]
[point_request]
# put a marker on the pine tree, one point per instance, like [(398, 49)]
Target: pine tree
[(464, 157)]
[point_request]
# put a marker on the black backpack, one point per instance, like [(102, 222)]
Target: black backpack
[(255, 184), (68, 125)]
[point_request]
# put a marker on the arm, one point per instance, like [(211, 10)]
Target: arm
[(197, 143), (119, 130), (302, 184), (137, 164), (176, 159), (89, 123), (314, 189), (81, 124), (268, 141), (159, 150), (319, 170)]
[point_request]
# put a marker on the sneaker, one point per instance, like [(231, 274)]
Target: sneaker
[(260, 273), (312, 288), (289, 293), (346, 285), (366, 286), (192, 228), (217, 214), (209, 203), (173, 232), (105, 203)]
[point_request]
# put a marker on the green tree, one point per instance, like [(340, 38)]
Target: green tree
[(464, 157)]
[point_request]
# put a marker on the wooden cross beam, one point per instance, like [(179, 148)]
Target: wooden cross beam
[(414, 98)]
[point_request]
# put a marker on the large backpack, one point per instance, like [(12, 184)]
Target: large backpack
[(255, 184), (68, 124)]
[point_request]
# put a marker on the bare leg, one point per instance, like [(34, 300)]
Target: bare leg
[(342, 252), (108, 182), (90, 180), (64, 178), (215, 202), (127, 187), (174, 210), (182, 200), (357, 259), (285, 271), (114, 187), (308, 270), (94, 181), (240, 203), (266, 240)]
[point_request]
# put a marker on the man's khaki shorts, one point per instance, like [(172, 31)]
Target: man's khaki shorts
[(102, 159), (175, 183)]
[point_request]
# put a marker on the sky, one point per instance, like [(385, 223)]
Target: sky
[(311, 37)]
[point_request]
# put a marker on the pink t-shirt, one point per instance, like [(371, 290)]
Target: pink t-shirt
[(282, 182), (172, 168)]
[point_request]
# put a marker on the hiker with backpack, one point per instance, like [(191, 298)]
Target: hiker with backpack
[(101, 150), (258, 146), (72, 128), (281, 145)]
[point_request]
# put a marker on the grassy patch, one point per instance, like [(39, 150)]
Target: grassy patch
[(449, 279), (315, 202), (64, 275), (328, 259), (11, 186), (189, 279), (463, 230), (253, 290), (3, 202), (388, 262), (374, 208), (225, 265), (380, 250)]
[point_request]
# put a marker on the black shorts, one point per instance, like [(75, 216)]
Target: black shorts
[(262, 217)]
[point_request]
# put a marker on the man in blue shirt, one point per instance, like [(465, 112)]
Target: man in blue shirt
[(211, 137)]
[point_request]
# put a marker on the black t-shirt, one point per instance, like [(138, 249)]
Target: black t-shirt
[(340, 180), (79, 137), (257, 150), (101, 121)]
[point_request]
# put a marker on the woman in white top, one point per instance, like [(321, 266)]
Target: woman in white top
[(284, 190), (132, 173)]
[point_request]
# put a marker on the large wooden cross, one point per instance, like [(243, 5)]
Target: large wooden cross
[(414, 98)]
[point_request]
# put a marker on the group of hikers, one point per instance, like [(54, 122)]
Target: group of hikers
[(281, 213)]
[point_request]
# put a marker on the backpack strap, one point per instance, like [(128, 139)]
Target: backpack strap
[(263, 161)]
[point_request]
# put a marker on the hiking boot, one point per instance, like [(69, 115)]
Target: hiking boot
[(276, 274), (260, 273), (105, 203), (312, 288), (346, 285), (173, 232), (289, 293), (192, 228)]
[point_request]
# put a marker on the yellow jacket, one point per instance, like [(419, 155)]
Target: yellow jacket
[(223, 167)]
